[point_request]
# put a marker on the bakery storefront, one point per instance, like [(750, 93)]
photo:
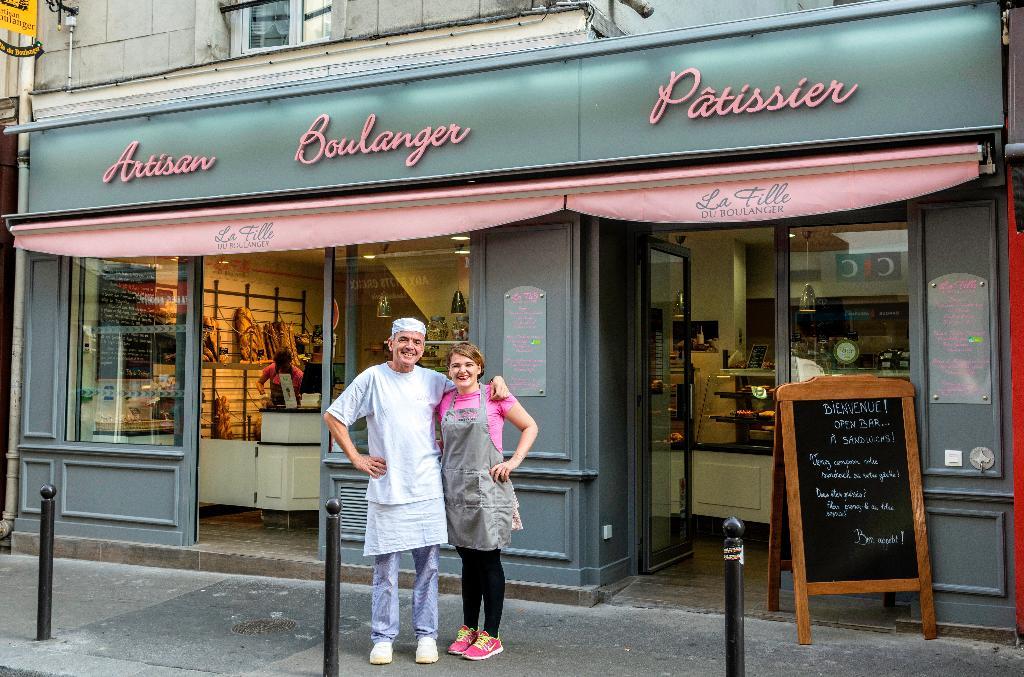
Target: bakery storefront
[(646, 235)]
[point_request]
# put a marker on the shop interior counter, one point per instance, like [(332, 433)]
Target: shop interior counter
[(732, 459), (279, 474)]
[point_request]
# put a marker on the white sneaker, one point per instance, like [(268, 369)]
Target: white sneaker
[(426, 650), (381, 653)]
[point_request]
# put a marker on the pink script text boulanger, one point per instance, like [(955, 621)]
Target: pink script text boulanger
[(314, 144)]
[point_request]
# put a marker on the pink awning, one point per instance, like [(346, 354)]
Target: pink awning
[(778, 189), (727, 192)]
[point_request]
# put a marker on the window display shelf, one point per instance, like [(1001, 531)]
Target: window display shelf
[(757, 449), (741, 395), (881, 373), (745, 420), (236, 366), (762, 373)]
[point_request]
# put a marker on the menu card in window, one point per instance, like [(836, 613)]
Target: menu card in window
[(959, 340), (126, 294), (524, 355)]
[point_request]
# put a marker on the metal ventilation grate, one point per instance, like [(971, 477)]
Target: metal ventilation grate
[(353, 508)]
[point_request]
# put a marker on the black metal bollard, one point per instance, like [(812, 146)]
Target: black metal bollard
[(732, 552), (45, 592), (332, 587)]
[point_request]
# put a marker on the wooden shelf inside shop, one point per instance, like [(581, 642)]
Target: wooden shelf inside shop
[(236, 366)]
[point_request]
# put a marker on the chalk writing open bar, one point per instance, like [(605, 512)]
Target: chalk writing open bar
[(846, 472)]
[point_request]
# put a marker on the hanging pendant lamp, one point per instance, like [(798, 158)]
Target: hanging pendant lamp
[(383, 306), (679, 305), (808, 298), (458, 302)]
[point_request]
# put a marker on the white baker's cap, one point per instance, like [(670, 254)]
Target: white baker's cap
[(408, 324)]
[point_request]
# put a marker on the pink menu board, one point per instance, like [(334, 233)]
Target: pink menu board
[(959, 340), (525, 355)]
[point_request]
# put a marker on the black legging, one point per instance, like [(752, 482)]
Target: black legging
[(482, 578)]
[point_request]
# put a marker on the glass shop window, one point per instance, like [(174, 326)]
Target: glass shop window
[(256, 307), (279, 23), (849, 300), (377, 283), (127, 350)]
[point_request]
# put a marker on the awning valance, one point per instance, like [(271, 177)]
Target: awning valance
[(726, 192)]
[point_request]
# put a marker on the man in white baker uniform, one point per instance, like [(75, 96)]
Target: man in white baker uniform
[(405, 504)]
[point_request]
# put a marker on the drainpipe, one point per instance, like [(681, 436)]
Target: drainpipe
[(26, 82)]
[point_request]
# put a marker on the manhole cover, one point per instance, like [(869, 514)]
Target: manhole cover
[(262, 626)]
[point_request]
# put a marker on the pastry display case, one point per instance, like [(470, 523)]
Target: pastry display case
[(737, 411)]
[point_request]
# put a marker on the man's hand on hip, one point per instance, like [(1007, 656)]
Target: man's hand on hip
[(374, 466), (499, 389)]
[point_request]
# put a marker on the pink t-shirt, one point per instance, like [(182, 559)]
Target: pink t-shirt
[(496, 411), (270, 374)]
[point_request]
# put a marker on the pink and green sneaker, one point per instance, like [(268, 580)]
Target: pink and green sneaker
[(485, 646), (463, 640)]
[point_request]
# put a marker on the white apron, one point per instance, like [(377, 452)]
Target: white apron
[(405, 526)]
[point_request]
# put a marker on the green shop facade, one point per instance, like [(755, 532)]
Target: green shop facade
[(589, 181)]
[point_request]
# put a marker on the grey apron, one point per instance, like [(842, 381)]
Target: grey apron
[(479, 509)]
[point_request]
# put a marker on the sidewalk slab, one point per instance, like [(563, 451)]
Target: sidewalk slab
[(112, 619)]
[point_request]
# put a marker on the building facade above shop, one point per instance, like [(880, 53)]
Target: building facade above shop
[(802, 80)]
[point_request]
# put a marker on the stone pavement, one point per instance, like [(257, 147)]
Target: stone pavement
[(113, 619)]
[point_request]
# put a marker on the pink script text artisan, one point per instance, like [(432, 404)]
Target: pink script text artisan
[(162, 165)]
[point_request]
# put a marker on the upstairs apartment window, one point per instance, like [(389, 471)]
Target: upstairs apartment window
[(279, 23)]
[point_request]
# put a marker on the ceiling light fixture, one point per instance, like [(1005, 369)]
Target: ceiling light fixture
[(458, 302), (383, 306), (808, 298)]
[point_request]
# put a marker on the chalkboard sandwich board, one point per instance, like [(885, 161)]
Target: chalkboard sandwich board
[(847, 466)]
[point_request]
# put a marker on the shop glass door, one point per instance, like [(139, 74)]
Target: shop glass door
[(666, 387)]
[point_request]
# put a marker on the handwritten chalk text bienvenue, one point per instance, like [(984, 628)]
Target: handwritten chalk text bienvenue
[(315, 145), (710, 102), (157, 165)]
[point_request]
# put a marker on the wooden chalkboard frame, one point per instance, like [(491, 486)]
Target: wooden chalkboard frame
[(786, 492)]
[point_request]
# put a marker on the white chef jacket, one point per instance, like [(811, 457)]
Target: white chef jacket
[(399, 411)]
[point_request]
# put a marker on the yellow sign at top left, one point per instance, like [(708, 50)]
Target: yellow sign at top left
[(19, 16)]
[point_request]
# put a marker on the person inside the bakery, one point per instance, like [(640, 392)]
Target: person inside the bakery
[(405, 504), (282, 365)]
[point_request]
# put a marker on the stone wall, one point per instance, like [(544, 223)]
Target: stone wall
[(122, 39), (118, 40)]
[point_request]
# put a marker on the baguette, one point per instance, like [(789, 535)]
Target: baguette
[(222, 416), (209, 339), (249, 343)]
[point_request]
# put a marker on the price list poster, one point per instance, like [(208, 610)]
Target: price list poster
[(524, 354)]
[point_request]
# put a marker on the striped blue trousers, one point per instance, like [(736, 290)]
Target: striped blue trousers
[(384, 615)]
